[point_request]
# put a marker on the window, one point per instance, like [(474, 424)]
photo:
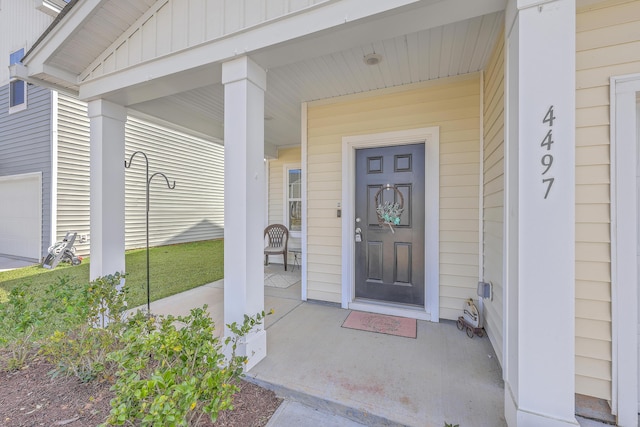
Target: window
[(17, 88), (294, 199)]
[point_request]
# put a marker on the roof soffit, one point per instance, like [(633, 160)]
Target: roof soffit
[(297, 37), (73, 17), (82, 31), (130, 48)]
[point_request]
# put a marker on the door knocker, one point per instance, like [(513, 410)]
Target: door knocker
[(388, 212)]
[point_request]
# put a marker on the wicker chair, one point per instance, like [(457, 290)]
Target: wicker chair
[(277, 240)]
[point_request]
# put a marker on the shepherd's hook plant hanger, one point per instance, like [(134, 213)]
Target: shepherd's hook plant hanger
[(148, 182)]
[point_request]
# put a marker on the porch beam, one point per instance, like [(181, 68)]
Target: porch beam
[(244, 190), (540, 214), (106, 147)]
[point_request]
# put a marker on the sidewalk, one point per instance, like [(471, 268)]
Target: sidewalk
[(7, 263)]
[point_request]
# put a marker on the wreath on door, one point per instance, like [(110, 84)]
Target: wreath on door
[(388, 212)]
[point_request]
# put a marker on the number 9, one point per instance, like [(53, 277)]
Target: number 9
[(547, 160)]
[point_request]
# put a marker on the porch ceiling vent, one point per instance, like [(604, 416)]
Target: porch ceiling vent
[(372, 59)]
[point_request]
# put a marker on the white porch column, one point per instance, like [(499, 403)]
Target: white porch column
[(540, 214), (244, 198), (107, 187)]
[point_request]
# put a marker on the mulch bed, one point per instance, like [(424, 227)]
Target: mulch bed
[(29, 397)]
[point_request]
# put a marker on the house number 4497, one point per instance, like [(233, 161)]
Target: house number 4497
[(547, 157)]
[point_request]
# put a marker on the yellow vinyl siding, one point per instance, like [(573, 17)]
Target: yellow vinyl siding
[(493, 202), (453, 105), (607, 44)]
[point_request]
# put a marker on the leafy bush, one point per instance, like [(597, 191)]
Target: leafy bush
[(106, 301), (91, 328), (19, 320), (81, 352), (25, 319), (172, 370)]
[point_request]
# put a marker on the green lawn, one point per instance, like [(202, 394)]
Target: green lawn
[(173, 269)]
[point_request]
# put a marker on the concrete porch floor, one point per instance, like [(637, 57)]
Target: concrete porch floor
[(334, 376), (374, 379)]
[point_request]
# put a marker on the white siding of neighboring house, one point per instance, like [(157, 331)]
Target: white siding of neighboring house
[(73, 170), (453, 104), (25, 145), (188, 24), (493, 202), (608, 44), (194, 210), (277, 191)]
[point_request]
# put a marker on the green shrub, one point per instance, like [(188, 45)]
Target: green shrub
[(106, 301), (172, 370), (25, 318), (81, 352), (91, 321), (20, 319)]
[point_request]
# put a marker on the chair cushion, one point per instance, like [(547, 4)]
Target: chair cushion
[(274, 250)]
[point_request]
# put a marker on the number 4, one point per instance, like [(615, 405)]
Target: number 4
[(549, 117), (547, 141)]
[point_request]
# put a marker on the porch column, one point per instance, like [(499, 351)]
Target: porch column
[(539, 366), (244, 198), (106, 187)]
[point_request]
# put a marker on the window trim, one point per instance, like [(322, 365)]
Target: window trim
[(23, 105), (285, 199)]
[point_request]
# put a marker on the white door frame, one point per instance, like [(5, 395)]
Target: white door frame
[(431, 138), (624, 287)]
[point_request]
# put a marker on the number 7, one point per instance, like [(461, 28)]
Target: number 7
[(550, 181)]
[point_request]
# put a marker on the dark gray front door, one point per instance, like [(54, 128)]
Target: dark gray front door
[(390, 265)]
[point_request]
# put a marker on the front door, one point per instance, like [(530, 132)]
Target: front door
[(389, 254)]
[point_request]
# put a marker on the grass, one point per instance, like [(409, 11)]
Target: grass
[(173, 269)]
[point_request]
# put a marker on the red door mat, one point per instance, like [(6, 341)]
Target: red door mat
[(381, 323)]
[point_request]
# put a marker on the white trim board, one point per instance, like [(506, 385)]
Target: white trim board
[(286, 167), (431, 138), (54, 168), (624, 279), (303, 162)]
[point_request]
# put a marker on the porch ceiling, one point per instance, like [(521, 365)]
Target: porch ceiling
[(414, 48), (450, 50)]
